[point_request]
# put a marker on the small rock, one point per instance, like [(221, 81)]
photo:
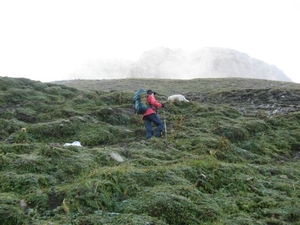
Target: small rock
[(23, 205), (284, 177), (116, 157)]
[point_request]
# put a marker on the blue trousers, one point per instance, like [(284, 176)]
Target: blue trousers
[(148, 120)]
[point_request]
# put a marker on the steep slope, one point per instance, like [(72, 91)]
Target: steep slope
[(216, 165)]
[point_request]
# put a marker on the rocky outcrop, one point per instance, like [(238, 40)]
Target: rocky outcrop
[(252, 102)]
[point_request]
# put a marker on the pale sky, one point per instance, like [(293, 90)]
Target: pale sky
[(47, 40)]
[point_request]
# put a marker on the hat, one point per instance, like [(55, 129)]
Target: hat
[(149, 92)]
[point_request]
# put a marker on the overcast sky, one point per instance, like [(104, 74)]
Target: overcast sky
[(47, 40)]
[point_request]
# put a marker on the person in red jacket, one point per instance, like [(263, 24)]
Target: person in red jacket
[(150, 116)]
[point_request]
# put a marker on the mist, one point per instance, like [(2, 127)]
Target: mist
[(166, 63)]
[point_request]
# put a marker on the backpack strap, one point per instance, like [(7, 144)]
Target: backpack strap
[(151, 106)]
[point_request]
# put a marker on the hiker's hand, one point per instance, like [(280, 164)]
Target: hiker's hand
[(163, 105)]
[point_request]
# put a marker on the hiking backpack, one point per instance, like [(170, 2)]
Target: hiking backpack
[(139, 106)]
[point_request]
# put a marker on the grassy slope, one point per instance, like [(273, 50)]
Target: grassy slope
[(216, 165)]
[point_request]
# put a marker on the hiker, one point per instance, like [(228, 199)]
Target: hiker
[(150, 116)]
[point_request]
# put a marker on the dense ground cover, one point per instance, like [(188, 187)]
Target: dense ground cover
[(225, 159)]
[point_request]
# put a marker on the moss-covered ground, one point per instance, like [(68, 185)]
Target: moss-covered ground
[(215, 165)]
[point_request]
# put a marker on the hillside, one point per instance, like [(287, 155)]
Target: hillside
[(230, 156), (166, 63)]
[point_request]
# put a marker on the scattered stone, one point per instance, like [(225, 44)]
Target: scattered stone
[(284, 177), (116, 157), (23, 205), (75, 143)]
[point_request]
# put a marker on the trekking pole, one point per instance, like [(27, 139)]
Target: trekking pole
[(165, 124)]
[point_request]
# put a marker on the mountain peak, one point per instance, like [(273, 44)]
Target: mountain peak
[(167, 63)]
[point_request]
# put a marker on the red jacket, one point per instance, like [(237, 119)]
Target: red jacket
[(154, 105)]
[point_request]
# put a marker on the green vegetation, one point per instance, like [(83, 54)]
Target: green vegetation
[(227, 157)]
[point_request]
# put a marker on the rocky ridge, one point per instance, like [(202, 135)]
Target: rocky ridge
[(166, 63)]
